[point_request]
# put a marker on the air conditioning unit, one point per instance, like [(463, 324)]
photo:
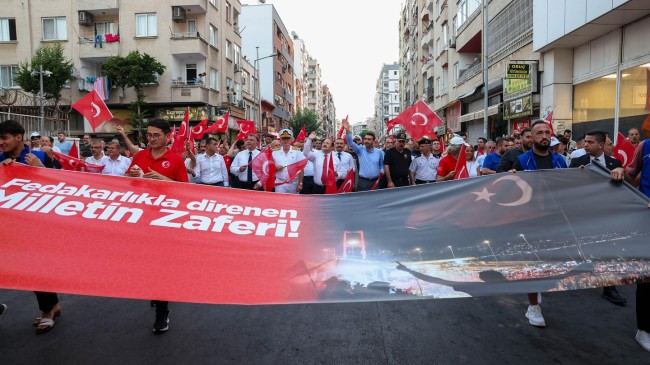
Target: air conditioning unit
[(242, 104), (85, 18), (451, 43), (178, 14), (237, 68)]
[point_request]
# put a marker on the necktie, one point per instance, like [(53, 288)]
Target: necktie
[(249, 170), (323, 176), (339, 156)]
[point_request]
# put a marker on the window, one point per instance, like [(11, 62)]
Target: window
[(244, 81), (237, 55), (213, 35), (190, 73), (54, 29), (228, 12), (7, 30), (455, 72), (228, 49), (466, 9), (103, 28), (214, 79), (145, 25), (237, 91), (191, 27), (213, 2), (228, 83), (8, 74), (396, 109), (445, 35)]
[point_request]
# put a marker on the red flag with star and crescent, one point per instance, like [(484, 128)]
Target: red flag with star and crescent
[(182, 134), (461, 165), (74, 164), (246, 128), (348, 183), (624, 150), (220, 125), (93, 108), (418, 120), (549, 121), (263, 166)]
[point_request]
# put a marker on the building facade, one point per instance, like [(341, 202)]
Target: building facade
[(328, 112), (387, 100), (596, 64), (188, 37)]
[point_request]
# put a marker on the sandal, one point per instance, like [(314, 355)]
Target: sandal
[(37, 320), (45, 325)]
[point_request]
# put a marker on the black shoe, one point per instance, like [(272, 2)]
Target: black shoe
[(611, 294), (162, 323), (3, 310)]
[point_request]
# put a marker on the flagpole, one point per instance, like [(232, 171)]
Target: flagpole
[(485, 69)]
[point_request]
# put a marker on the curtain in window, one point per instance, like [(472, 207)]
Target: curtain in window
[(61, 32), (4, 30), (49, 29)]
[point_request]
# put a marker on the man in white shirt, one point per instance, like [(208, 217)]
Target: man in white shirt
[(49, 142), (343, 162), (114, 163), (241, 165), (321, 160), (211, 166), (284, 157), (424, 168), (97, 157)]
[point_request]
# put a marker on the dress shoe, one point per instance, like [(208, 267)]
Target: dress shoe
[(611, 294)]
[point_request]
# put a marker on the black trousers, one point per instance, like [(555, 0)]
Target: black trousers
[(162, 306), (308, 185), (365, 184), (220, 183), (420, 182), (317, 189), (46, 301), (246, 186), (643, 306), (400, 181)]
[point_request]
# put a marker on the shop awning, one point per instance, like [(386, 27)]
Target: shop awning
[(493, 110)]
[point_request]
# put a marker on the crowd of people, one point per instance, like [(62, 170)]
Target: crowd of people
[(397, 163)]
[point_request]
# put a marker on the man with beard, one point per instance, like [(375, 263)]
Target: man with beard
[(345, 162), (396, 164), (634, 136), (371, 159), (492, 160), (321, 160), (538, 158), (508, 159)]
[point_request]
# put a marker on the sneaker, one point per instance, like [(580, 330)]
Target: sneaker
[(534, 316), (643, 338), (3, 310), (162, 323), (611, 294)]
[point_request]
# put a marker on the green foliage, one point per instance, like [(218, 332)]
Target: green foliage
[(307, 118), (50, 56), (136, 70)]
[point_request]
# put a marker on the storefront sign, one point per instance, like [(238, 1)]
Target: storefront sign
[(518, 108), (520, 80), (519, 126), (177, 114), (186, 92)]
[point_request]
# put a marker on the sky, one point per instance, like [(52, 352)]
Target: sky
[(351, 39)]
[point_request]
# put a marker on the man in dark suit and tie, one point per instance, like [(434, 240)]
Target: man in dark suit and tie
[(594, 145)]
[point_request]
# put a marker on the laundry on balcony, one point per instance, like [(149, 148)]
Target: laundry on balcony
[(100, 84), (112, 38), (98, 41)]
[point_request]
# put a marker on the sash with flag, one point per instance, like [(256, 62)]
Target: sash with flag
[(624, 150), (461, 165), (418, 120), (263, 166), (348, 183), (74, 164), (182, 134), (93, 108)]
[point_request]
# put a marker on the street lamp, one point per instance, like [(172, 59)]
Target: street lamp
[(256, 65), (486, 242), (41, 73), (419, 250), (529, 245), (452, 251)]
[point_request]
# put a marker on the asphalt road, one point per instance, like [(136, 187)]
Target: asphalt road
[(582, 328)]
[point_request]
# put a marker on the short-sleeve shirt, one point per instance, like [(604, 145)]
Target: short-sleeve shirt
[(447, 164), (491, 161), (170, 164), (398, 162)]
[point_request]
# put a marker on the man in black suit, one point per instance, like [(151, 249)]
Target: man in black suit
[(594, 145)]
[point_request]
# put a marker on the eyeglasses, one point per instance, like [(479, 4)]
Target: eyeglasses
[(154, 136)]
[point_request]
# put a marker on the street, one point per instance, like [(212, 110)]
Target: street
[(582, 328)]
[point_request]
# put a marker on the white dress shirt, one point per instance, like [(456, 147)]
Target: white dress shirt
[(318, 158), (116, 167), (343, 162), (92, 160), (285, 159), (424, 168), (211, 169), (241, 159)]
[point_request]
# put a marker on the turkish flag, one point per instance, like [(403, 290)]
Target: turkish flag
[(442, 145), (461, 165), (391, 124), (348, 183), (293, 170), (330, 179), (220, 125), (246, 128), (198, 131), (74, 151), (418, 120), (374, 186), (171, 135), (301, 135), (93, 108), (263, 166), (74, 164), (182, 134), (549, 121), (624, 150)]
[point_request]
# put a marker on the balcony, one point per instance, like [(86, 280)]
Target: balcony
[(189, 44), (95, 6), (99, 51), (281, 113), (469, 72), (192, 6), (189, 93)]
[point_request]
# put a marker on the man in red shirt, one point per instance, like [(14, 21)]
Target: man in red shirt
[(447, 165), (160, 163)]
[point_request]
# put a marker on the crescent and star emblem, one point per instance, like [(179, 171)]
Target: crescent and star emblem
[(96, 108), (624, 155), (241, 129), (526, 192), (425, 120), (347, 186), (265, 167), (220, 122)]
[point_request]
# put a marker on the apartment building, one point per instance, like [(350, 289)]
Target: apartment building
[(410, 54), (314, 86), (189, 37), (269, 45), (301, 63), (328, 112), (387, 100), (595, 64)]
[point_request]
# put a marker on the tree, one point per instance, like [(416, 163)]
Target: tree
[(306, 118), (52, 59), (136, 70)]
